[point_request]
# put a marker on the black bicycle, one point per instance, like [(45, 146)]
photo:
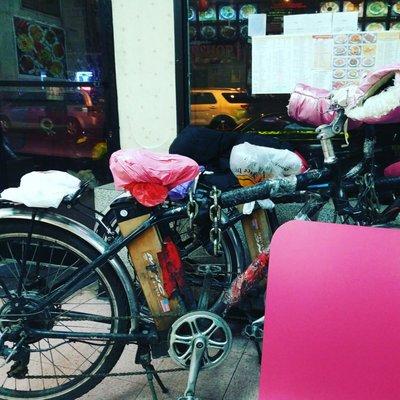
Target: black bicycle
[(69, 305)]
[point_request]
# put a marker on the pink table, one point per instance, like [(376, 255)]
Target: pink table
[(332, 329)]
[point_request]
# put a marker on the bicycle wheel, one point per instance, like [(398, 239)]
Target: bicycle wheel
[(52, 257), (197, 253)]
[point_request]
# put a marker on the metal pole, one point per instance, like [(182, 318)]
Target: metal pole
[(3, 162)]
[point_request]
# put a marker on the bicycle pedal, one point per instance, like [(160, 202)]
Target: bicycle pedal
[(253, 332), (209, 269)]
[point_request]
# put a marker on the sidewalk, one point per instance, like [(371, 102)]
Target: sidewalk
[(235, 379)]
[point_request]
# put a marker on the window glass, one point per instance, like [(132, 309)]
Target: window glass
[(54, 105), (237, 97), (51, 7), (203, 98), (220, 49)]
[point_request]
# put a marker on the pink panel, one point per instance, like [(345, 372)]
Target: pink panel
[(332, 329), (393, 170)]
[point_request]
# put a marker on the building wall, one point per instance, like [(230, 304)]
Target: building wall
[(145, 70)]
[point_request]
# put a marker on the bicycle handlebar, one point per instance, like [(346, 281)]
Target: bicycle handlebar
[(272, 188)]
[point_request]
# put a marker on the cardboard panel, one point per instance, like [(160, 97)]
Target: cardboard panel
[(144, 256)]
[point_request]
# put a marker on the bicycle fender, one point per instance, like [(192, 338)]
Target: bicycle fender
[(80, 230)]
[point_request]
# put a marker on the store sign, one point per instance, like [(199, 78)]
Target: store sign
[(216, 53), (83, 76)]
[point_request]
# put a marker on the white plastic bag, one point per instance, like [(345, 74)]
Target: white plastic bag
[(42, 189), (252, 164)]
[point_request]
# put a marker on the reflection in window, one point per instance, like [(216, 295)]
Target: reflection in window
[(51, 7), (202, 98), (53, 49)]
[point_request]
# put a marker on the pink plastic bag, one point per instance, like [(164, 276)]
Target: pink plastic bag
[(310, 105), (149, 175), (393, 170)]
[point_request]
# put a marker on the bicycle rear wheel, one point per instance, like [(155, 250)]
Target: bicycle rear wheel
[(197, 253), (52, 257)]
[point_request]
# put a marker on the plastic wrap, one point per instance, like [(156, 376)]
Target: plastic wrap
[(310, 105), (252, 164), (148, 175), (42, 189), (393, 170), (376, 100)]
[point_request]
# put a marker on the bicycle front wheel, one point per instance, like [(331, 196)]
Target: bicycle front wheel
[(30, 270)]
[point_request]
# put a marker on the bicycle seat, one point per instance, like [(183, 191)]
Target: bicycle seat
[(393, 170), (148, 175)]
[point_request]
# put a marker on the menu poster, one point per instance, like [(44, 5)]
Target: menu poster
[(353, 56), (324, 61), (257, 24), (344, 22), (322, 23), (40, 49), (280, 62), (307, 23)]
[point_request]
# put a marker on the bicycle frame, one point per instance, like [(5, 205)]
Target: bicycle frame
[(74, 283)]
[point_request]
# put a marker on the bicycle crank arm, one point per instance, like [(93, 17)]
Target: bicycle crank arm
[(145, 336), (199, 346)]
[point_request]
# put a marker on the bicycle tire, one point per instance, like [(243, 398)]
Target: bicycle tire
[(13, 230)]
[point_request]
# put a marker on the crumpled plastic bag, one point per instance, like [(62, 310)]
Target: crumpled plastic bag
[(148, 175), (266, 204), (42, 189), (253, 164), (181, 191)]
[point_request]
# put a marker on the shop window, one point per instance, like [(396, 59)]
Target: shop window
[(51, 7), (57, 88), (220, 49)]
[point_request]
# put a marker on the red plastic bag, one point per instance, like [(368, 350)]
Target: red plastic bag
[(149, 175)]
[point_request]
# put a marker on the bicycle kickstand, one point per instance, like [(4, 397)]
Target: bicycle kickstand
[(143, 357)]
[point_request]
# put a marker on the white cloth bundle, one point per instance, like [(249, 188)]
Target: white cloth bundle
[(42, 189)]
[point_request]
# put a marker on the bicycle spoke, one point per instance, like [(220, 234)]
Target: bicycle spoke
[(34, 268), (52, 360)]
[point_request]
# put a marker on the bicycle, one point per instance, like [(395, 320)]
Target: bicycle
[(63, 287)]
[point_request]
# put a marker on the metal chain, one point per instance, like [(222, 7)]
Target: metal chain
[(215, 217), (192, 210), (161, 371)]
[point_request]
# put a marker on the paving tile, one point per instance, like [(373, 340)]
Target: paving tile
[(113, 389), (250, 349), (244, 382), (235, 377), (212, 384)]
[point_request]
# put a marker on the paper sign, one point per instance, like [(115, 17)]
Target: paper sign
[(307, 24), (344, 22), (257, 24), (279, 62)]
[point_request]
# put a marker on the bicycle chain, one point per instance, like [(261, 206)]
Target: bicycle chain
[(215, 217), (132, 373)]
